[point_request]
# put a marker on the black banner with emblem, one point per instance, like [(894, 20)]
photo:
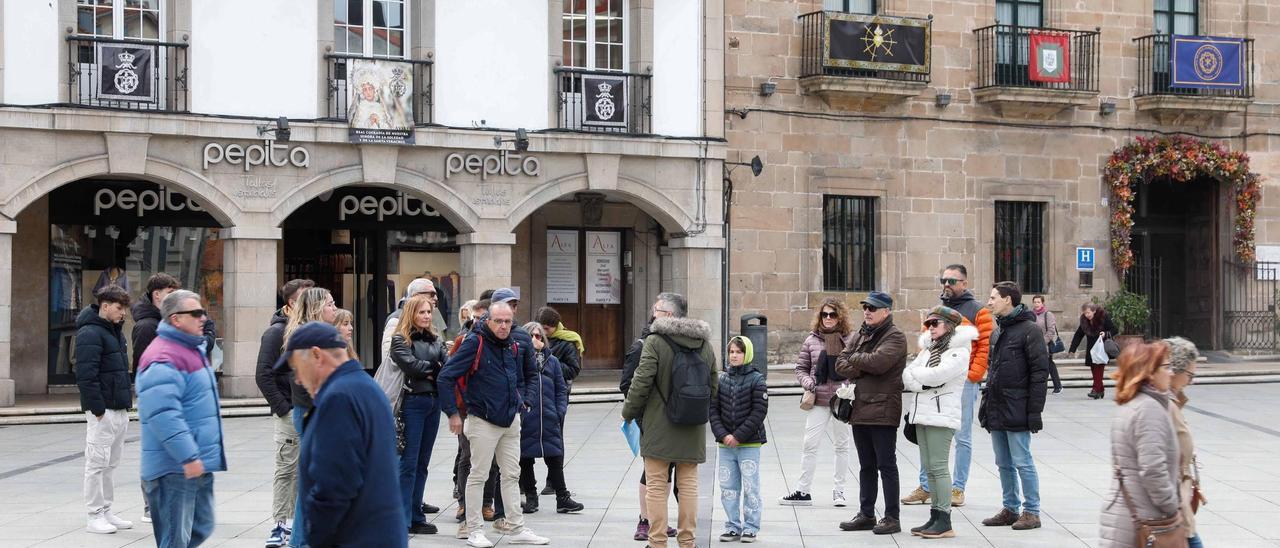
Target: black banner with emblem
[(126, 72), (871, 42), (604, 100)]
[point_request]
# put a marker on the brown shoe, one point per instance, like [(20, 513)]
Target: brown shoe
[(1027, 521), (1005, 518), (957, 497), (919, 496), (489, 513)]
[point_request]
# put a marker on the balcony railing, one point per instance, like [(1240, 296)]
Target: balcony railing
[(420, 95), (1154, 72), (127, 74), (816, 39), (1004, 58), (604, 101)]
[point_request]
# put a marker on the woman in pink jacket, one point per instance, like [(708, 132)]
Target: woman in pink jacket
[(816, 371)]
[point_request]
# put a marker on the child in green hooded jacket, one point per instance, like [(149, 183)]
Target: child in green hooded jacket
[(737, 422)]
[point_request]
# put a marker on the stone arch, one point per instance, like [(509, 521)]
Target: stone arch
[(671, 215), (162, 172), (451, 205)]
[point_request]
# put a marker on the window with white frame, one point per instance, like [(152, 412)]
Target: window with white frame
[(595, 34), (372, 28), (120, 19), (850, 6)]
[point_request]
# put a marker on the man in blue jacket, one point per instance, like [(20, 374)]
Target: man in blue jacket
[(489, 367), (348, 479)]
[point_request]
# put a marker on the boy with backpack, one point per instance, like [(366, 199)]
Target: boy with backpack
[(737, 424), (671, 392)]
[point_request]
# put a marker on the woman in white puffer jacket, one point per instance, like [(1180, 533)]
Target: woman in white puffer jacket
[(935, 380)]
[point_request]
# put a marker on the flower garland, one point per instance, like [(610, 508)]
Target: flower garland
[(1181, 159)]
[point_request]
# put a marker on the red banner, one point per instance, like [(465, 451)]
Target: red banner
[(1050, 57)]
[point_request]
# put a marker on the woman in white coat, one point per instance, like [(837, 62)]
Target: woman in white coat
[(935, 379)]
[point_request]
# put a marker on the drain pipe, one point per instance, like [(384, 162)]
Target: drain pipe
[(724, 266)]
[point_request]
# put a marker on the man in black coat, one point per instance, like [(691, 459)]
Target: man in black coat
[(1012, 401), (102, 374), (146, 313)]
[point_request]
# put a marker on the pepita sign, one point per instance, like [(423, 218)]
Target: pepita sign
[(256, 155)]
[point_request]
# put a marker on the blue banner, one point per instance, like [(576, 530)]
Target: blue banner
[(1207, 62)]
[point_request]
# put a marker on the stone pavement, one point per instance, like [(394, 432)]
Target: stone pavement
[(41, 470)]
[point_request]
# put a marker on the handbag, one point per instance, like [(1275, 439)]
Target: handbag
[(807, 400), (1170, 532), (390, 379), (841, 408), (909, 429), (1110, 346), (1056, 346)]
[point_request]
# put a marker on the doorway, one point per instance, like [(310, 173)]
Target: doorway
[(585, 284)]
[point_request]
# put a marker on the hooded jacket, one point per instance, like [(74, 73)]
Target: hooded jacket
[(548, 398), (981, 318), (741, 403), (811, 353), (495, 391), (178, 406), (661, 439), (146, 318), (875, 362), (567, 347), (102, 363), (935, 392), (1016, 383), (1145, 449), (274, 384)]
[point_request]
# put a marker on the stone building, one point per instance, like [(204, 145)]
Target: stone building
[(571, 150), (877, 176)]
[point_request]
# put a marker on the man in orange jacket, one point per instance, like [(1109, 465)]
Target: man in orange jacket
[(956, 295)]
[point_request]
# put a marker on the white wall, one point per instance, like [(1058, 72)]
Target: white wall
[(677, 67), (31, 46), (255, 58), (491, 63)]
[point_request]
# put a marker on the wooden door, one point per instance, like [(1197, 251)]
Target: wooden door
[(597, 314)]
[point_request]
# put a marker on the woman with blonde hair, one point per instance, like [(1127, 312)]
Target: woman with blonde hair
[(1182, 357), (419, 352), (345, 322), (314, 304), (1144, 447), (816, 371)]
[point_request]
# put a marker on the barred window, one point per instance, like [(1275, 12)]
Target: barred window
[(1020, 244), (848, 243)]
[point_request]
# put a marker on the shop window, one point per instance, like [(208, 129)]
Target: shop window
[(850, 6), (1020, 244), (848, 243), (372, 28)]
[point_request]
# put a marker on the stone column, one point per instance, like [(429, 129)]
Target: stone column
[(249, 296), (486, 262), (695, 273), (7, 229)]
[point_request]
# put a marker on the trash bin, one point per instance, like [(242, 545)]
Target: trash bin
[(758, 334)]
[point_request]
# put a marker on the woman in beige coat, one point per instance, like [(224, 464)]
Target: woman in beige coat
[(1144, 447), (1182, 357)]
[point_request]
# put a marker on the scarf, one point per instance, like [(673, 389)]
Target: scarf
[(1039, 310), (937, 348), (833, 341), (833, 345), (869, 331), (563, 334)]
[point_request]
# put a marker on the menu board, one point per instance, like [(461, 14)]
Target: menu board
[(562, 266), (604, 268)]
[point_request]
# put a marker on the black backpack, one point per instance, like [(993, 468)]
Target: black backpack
[(690, 391)]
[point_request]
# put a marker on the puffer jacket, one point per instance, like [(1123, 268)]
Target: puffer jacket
[(178, 406), (740, 406), (875, 362), (272, 382), (146, 318), (981, 318), (1145, 448), (419, 359), (495, 392), (811, 353), (660, 438), (1018, 378), (540, 434), (102, 364), (935, 398)]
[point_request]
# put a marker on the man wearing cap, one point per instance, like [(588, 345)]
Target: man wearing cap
[(348, 465), (874, 360)]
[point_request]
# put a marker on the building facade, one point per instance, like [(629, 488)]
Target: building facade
[(878, 175), (572, 150)]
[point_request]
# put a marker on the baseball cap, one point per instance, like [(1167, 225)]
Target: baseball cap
[(505, 294), (878, 299), (311, 334)]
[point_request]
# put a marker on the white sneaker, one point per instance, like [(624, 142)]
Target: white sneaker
[(118, 521), (146, 516), (98, 524), (525, 536), (837, 497), (477, 540)]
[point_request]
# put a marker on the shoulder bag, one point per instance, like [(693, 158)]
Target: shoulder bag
[(841, 408), (1169, 532)]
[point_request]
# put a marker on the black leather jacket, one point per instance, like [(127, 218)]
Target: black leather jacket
[(420, 359)]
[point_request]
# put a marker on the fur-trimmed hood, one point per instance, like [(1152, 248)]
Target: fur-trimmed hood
[(692, 328), (962, 338)]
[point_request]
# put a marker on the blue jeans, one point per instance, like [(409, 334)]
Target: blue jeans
[(421, 416), (181, 509), (963, 441), (739, 471), (298, 537), (1194, 542), (1013, 457)]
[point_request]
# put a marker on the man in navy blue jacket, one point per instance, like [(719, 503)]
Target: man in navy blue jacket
[(348, 482)]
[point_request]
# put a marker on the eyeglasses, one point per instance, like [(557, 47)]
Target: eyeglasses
[(1189, 374), (832, 315), (932, 323), (869, 308), (1168, 366), (501, 322), (194, 313), (949, 281)]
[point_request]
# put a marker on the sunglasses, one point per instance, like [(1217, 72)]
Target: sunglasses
[(869, 308), (195, 313), (950, 281), (932, 323), (832, 315)]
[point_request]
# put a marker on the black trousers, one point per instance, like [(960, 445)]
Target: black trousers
[(877, 457), (555, 475)]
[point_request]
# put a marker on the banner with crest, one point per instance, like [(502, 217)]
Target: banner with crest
[(604, 101), (126, 72), (1050, 57), (380, 101)]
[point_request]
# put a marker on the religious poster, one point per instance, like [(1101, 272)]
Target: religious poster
[(873, 42), (1049, 57), (380, 101), (604, 101), (126, 72), (604, 268), (562, 266), (1207, 62)]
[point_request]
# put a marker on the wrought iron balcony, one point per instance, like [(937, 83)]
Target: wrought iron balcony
[(871, 69), (1155, 73), (340, 85), (127, 74), (1004, 58), (604, 101)]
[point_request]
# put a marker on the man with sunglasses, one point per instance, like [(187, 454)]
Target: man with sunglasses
[(181, 425), (956, 296)]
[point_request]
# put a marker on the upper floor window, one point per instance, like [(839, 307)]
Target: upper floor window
[(1177, 17), (850, 6), (1020, 13), (374, 28), (119, 19), (595, 34)]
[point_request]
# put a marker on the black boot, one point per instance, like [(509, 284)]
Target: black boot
[(933, 516), (566, 505), (530, 504), (940, 527)]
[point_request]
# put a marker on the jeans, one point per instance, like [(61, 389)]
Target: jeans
[(555, 475), (298, 538), (1194, 542), (284, 484), (935, 447), (181, 509), (655, 501), (1013, 458), (740, 488), (488, 441), (817, 423), (104, 444), (963, 441), (877, 458), (421, 415)]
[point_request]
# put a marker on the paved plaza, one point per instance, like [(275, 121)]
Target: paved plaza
[(41, 470)]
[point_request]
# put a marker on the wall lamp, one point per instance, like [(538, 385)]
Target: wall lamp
[(1107, 108), (768, 88), (756, 165), (281, 132), (941, 100), (521, 141)]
